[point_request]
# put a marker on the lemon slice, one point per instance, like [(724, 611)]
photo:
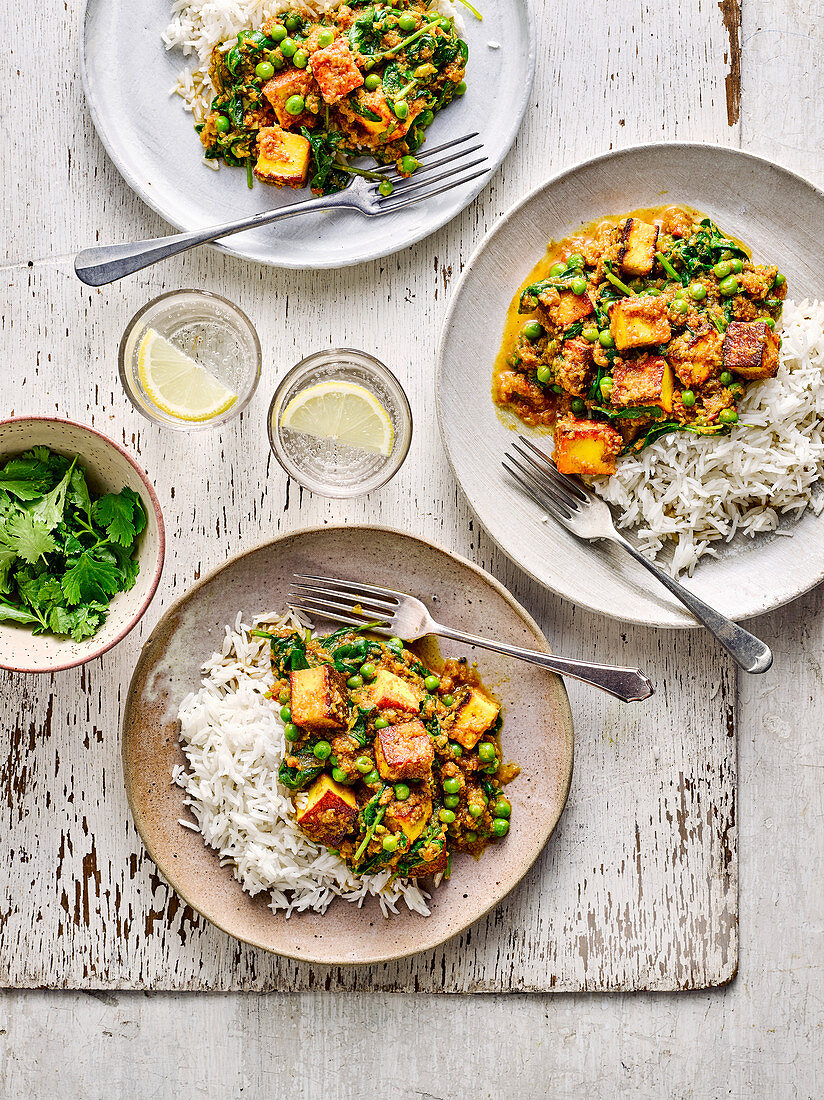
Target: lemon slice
[(176, 383), (343, 411)]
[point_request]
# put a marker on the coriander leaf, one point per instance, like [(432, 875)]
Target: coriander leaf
[(90, 579), (7, 560), (79, 492), (50, 509), (115, 512), (39, 591), (81, 623), (27, 537), (12, 614)]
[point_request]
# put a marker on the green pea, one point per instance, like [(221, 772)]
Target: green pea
[(492, 766), (728, 416), (729, 286), (605, 339), (579, 285), (372, 82), (475, 810), (277, 33), (364, 765), (409, 164), (354, 682), (697, 291), (486, 751), (301, 59), (578, 406), (325, 37), (446, 816), (543, 374), (722, 270), (288, 47), (471, 837), (768, 321), (779, 280), (687, 398), (293, 22), (395, 643), (407, 22), (725, 378), (448, 700), (452, 785), (432, 683), (284, 696), (555, 387), (286, 714), (575, 260), (460, 88), (295, 104), (533, 330), (390, 843), (372, 778), (367, 671), (500, 827), (291, 732), (452, 801), (556, 270), (502, 808), (386, 187), (606, 385), (680, 305), (457, 750), (322, 750), (333, 761), (426, 119), (401, 109), (381, 723), (736, 266), (222, 124), (264, 70), (590, 333), (737, 390), (339, 776), (401, 792)]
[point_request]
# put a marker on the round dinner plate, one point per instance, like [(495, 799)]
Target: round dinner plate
[(128, 73), (537, 734), (779, 215)]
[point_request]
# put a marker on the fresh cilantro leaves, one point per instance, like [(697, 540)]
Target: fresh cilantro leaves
[(63, 553)]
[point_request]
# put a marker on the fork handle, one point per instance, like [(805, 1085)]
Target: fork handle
[(110, 262), (628, 684), (749, 652)]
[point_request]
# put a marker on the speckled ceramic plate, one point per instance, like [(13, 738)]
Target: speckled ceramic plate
[(537, 734), (127, 74), (779, 215)]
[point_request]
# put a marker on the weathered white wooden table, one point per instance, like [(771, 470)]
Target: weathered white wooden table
[(609, 74)]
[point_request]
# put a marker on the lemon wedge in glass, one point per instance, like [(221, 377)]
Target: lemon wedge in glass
[(176, 383), (342, 411)]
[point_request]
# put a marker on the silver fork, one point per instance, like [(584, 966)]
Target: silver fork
[(396, 613), (577, 508), (107, 263)]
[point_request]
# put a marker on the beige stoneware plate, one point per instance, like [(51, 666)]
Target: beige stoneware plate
[(779, 216), (537, 734)]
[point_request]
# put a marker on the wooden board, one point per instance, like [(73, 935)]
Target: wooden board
[(638, 889)]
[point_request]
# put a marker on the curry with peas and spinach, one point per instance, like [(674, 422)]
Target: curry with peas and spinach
[(301, 95), (649, 323), (390, 764)]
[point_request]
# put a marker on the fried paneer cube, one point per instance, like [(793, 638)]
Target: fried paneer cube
[(433, 859), (694, 356), (404, 751), (475, 715), (643, 381), (639, 321), (389, 692), (330, 812), (573, 366), (587, 447), (282, 87), (638, 243), (751, 349), (335, 71), (283, 158), (570, 308), (411, 815), (319, 698)]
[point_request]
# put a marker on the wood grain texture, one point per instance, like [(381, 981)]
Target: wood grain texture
[(638, 888)]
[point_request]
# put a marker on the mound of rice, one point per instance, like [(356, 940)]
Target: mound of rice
[(233, 739), (686, 494)]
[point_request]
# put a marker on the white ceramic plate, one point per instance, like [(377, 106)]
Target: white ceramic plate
[(779, 215), (127, 74)]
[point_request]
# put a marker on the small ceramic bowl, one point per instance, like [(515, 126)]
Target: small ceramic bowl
[(109, 469)]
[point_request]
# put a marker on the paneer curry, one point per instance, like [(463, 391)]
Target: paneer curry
[(638, 325), (301, 95), (391, 764)]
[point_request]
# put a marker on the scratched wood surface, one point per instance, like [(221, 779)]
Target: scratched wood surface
[(638, 888)]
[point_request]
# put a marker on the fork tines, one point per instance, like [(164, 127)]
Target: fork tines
[(541, 479), (347, 602), (411, 189)]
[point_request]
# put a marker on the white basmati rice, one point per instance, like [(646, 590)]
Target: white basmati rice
[(687, 494), (233, 739)]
